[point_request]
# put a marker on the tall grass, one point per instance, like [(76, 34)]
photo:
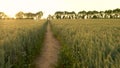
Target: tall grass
[(20, 41), (88, 43)]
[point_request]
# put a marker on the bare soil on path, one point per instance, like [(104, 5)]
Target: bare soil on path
[(49, 56)]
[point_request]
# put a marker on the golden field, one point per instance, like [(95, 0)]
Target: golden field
[(20, 41), (90, 43)]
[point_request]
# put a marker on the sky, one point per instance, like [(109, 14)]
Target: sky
[(11, 7)]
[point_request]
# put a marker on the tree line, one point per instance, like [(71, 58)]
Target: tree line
[(29, 15), (23, 15), (107, 14)]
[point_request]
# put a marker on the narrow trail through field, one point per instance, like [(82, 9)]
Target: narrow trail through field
[(49, 55)]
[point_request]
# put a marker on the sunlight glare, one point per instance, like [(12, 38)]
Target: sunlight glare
[(51, 6), (10, 14)]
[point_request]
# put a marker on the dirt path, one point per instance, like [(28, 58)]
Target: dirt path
[(49, 55)]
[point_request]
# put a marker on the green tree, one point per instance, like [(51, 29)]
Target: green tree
[(2, 15), (39, 14), (82, 12), (90, 12), (20, 15), (30, 15), (109, 11), (116, 10)]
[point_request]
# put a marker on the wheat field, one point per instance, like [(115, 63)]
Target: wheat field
[(91, 43), (20, 41)]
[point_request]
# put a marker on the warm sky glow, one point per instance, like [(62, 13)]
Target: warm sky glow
[(11, 7)]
